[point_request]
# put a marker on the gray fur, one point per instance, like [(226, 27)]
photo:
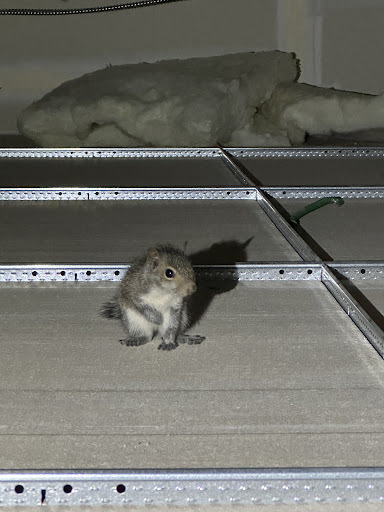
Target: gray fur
[(150, 303), (111, 309), (150, 313), (169, 338)]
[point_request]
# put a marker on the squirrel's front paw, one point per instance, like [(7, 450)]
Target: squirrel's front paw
[(155, 317), (168, 346), (151, 314)]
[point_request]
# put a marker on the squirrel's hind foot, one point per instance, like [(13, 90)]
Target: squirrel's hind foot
[(134, 342), (191, 339)]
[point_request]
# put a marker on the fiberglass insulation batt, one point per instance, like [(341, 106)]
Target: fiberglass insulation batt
[(192, 102)]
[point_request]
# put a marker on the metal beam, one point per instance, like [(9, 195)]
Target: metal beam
[(182, 193), (125, 194), (320, 192), (277, 271), (235, 169), (298, 244), (359, 270), (323, 152), (193, 487)]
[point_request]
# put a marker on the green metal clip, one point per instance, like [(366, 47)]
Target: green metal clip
[(295, 217)]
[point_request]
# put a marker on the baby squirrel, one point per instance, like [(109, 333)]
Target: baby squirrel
[(151, 301)]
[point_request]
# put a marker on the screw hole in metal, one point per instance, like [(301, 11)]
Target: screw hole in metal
[(120, 488), (67, 488), (281, 271), (19, 489)]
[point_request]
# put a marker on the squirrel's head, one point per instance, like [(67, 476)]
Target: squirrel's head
[(172, 268)]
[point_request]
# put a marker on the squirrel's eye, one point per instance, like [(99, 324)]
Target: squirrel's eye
[(169, 273)]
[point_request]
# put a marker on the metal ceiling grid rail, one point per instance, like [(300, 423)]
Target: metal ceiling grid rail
[(342, 152), (292, 237), (182, 193), (252, 193), (277, 271), (194, 487), (357, 270), (125, 194), (111, 153), (363, 152), (320, 192), (235, 170), (290, 486), (271, 271), (354, 310)]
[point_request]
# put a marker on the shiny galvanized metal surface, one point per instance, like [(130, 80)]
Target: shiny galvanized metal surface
[(373, 272), (240, 272), (275, 316), (186, 488), (255, 153), (124, 194), (351, 192)]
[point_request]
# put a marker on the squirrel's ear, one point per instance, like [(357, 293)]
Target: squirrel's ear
[(153, 257)]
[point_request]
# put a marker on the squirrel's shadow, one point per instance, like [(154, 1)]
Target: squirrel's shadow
[(222, 253)]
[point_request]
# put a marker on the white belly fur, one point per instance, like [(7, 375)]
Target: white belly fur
[(159, 300), (163, 303), (138, 323)]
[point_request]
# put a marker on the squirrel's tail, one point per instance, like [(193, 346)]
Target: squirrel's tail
[(111, 309)]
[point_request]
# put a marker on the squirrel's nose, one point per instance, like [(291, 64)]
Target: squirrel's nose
[(191, 289)]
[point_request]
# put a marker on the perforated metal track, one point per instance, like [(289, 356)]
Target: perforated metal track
[(124, 194), (202, 487), (193, 153), (167, 487)]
